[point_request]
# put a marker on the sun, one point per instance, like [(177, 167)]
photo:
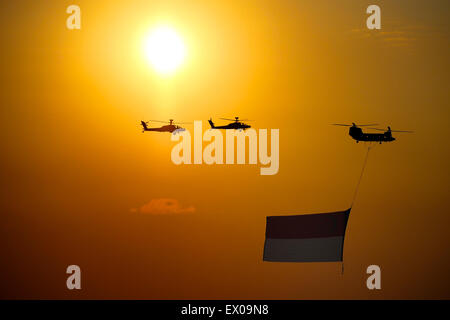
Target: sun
[(165, 50)]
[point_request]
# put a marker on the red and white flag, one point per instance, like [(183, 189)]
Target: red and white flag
[(306, 238)]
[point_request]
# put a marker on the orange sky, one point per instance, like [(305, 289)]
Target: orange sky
[(76, 167)]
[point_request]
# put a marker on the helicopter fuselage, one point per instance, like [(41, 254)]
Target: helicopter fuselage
[(167, 128), (233, 125), (357, 134)]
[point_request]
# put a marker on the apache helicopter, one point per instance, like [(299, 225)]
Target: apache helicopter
[(171, 127), (356, 133), (233, 125)]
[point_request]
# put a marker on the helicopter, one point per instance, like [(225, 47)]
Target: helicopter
[(233, 125), (356, 133), (171, 127)]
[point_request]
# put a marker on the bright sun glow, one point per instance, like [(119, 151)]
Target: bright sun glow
[(165, 50)]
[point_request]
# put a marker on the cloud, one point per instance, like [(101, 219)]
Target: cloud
[(392, 38), (396, 34), (163, 206)]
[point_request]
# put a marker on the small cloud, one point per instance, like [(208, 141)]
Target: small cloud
[(163, 206), (395, 34)]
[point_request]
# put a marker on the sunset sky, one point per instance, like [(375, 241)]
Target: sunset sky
[(81, 184)]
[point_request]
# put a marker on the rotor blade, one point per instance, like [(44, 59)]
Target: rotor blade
[(367, 125), (391, 130), (159, 121), (339, 124), (228, 119), (182, 122)]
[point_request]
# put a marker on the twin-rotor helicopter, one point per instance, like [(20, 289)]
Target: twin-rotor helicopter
[(357, 133)]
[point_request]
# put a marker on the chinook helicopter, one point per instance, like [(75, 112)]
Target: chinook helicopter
[(233, 125), (356, 133), (171, 127)]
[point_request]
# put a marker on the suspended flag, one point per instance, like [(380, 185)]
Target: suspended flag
[(306, 238)]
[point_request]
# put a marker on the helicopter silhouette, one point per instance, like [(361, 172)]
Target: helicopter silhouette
[(233, 125), (171, 127), (357, 133)]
